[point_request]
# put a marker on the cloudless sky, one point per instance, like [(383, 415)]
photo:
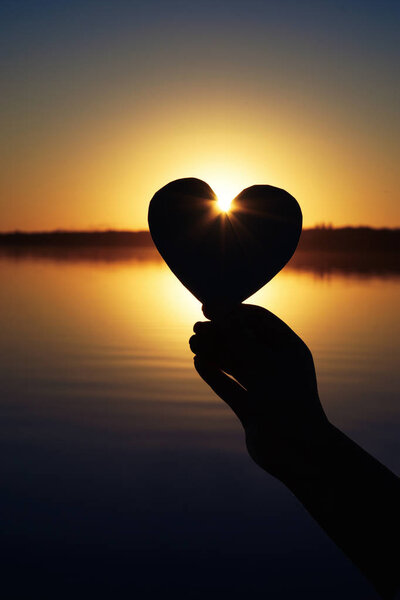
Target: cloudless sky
[(104, 102)]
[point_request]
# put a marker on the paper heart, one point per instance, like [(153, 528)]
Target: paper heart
[(224, 257)]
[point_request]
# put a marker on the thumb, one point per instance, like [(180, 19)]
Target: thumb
[(224, 386)]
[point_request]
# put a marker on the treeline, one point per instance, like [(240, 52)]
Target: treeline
[(80, 239), (350, 239), (325, 239)]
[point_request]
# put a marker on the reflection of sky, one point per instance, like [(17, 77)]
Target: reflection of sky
[(76, 327), (122, 472), (104, 102)]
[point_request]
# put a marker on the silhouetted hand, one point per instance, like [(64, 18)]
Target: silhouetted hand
[(266, 374), (275, 393)]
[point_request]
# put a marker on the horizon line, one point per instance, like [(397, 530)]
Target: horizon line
[(138, 231)]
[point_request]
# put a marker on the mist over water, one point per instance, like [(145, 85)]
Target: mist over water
[(122, 471)]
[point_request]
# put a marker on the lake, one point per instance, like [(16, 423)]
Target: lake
[(124, 476)]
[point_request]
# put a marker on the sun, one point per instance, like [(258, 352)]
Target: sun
[(224, 203), (226, 183), (225, 191)]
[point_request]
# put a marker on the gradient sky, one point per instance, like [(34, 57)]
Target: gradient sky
[(104, 102)]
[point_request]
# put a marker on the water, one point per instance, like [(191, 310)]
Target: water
[(123, 475)]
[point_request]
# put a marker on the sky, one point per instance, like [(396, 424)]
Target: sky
[(104, 102)]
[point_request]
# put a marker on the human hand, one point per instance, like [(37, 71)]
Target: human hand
[(266, 374), (274, 391)]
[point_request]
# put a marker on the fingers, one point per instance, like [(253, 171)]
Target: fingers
[(249, 342), (205, 340), (201, 326), (254, 322), (213, 342), (224, 348), (218, 310), (226, 388)]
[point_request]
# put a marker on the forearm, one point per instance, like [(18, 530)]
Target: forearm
[(355, 499)]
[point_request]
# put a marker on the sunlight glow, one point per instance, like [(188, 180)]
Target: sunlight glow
[(226, 187), (224, 203)]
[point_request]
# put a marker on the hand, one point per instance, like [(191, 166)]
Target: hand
[(266, 374), (274, 389)]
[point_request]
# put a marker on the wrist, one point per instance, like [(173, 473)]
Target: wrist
[(312, 458)]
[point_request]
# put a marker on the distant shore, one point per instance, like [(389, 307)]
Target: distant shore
[(108, 238), (344, 239), (322, 250)]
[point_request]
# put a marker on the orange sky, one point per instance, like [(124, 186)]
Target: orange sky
[(102, 109)]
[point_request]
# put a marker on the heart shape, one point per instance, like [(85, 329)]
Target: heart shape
[(224, 257)]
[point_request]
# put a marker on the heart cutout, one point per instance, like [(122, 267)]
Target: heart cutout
[(224, 257)]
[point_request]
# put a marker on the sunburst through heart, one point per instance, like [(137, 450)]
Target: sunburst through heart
[(224, 250)]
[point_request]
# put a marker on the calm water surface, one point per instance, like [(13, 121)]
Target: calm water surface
[(124, 476)]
